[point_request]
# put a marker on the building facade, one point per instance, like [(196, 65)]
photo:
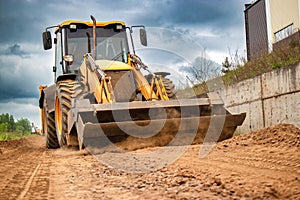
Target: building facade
[(270, 24)]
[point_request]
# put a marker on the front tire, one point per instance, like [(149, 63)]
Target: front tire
[(67, 90)]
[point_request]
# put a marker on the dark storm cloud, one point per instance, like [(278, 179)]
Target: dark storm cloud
[(22, 69), (22, 22), (17, 51), (218, 13), (216, 24)]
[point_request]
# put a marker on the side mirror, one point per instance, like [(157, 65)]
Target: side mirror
[(143, 37), (47, 41)]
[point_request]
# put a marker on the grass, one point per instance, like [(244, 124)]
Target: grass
[(13, 135), (278, 58)]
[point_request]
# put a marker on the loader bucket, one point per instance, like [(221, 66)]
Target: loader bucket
[(188, 120)]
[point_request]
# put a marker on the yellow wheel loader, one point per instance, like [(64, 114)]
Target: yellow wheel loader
[(101, 95)]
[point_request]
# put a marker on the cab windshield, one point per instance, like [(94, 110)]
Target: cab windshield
[(111, 44)]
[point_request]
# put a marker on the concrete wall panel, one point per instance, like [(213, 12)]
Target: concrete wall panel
[(269, 99)]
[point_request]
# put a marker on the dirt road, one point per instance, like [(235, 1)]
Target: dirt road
[(260, 165)]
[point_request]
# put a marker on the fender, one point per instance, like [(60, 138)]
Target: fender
[(47, 98), (66, 76)]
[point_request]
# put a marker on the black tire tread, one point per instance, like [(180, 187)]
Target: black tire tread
[(169, 86), (51, 137), (67, 90)]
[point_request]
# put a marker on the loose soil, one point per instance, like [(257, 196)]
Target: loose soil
[(264, 164)]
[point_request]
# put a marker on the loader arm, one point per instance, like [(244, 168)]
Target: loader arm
[(146, 88), (100, 84), (96, 81)]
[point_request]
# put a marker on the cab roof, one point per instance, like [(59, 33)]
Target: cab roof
[(98, 24)]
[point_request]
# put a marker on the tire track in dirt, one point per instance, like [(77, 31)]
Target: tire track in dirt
[(29, 183), (260, 165), (22, 165), (40, 183)]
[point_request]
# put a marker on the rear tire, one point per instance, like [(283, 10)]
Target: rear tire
[(50, 130), (169, 86), (67, 90)]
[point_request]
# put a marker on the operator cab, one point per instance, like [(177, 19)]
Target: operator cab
[(111, 43), (75, 38)]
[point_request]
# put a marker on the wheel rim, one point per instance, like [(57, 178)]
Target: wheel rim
[(58, 117)]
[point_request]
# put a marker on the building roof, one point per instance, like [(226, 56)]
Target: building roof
[(250, 5)]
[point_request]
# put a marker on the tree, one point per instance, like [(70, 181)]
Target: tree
[(4, 118), (11, 124), (202, 69), (3, 127), (23, 125), (226, 66), (8, 124), (9, 119)]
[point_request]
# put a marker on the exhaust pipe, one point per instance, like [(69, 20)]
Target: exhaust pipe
[(95, 37)]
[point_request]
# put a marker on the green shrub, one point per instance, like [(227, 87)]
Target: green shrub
[(278, 58), (13, 135)]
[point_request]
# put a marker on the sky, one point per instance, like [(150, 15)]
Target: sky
[(179, 26)]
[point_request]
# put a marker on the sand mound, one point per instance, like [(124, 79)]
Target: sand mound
[(11, 144), (281, 135)]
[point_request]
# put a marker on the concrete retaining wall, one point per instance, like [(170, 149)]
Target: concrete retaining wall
[(268, 99)]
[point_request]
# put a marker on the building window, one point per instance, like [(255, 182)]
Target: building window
[(283, 33)]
